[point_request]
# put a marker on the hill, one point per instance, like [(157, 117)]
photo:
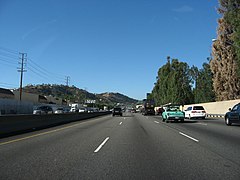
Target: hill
[(116, 98), (75, 94)]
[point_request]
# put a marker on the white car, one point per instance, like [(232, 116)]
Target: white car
[(59, 110), (73, 109), (195, 112), (82, 110), (43, 110)]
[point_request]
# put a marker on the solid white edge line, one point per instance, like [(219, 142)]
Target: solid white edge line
[(189, 137), (101, 145), (156, 122)]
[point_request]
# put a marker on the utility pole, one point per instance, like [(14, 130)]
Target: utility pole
[(67, 84), (67, 80), (22, 70)]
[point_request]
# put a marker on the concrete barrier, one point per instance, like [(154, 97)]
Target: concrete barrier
[(216, 108), (10, 125)]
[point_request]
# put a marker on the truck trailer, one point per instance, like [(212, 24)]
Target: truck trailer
[(149, 106)]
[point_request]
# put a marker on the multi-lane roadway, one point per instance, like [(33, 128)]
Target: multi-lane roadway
[(129, 147)]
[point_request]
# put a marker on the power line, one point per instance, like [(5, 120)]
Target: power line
[(8, 50), (13, 86), (8, 65), (39, 71), (8, 84), (7, 57), (10, 62), (42, 76), (43, 70), (36, 71), (10, 56)]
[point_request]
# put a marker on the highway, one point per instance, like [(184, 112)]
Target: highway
[(129, 147)]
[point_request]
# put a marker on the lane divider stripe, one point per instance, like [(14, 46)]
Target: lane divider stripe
[(189, 137), (101, 145), (156, 122), (120, 123)]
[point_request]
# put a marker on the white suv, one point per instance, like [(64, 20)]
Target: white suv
[(195, 112)]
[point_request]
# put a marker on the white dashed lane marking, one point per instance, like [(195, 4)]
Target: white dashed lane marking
[(101, 145), (189, 137)]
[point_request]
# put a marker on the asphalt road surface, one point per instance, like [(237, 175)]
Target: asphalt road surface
[(129, 147)]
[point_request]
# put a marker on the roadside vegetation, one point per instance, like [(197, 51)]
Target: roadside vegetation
[(219, 77)]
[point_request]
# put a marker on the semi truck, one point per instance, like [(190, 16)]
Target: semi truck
[(149, 106)]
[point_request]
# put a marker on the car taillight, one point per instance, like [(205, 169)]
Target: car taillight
[(194, 111), (203, 111)]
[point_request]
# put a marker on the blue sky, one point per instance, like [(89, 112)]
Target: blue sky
[(102, 45)]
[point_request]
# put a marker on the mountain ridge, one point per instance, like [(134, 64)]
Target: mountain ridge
[(75, 94)]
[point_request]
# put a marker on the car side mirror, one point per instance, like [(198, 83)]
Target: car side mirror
[(230, 109)]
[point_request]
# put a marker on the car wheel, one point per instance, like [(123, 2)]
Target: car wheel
[(227, 121), (163, 120), (182, 120)]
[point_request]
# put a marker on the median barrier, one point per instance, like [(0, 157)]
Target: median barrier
[(16, 124)]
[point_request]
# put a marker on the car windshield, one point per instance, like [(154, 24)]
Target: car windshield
[(41, 108), (198, 108), (173, 108)]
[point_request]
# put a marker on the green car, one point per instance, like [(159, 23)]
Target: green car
[(172, 113)]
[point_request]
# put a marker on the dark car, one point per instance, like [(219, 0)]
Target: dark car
[(117, 111), (160, 111), (233, 116)]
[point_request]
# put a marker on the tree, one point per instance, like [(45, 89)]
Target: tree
[(225, 64), (203, 91), (173, 83), (231, 8)]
